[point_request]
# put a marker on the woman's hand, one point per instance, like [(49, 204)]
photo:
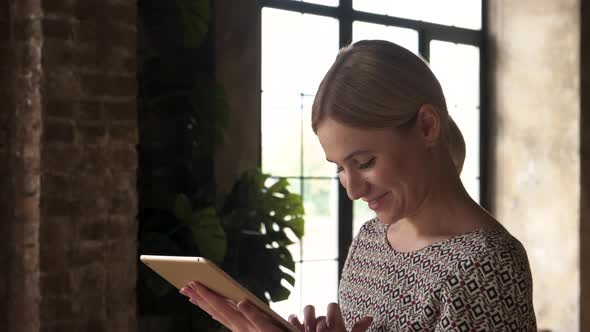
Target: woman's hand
[(332, 322), (309, 320), (243, 317)]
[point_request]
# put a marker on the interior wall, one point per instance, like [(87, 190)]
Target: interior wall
[(5, 172), (534, 52), (68, 131), (88, 233), (585, 167), (237, 67)]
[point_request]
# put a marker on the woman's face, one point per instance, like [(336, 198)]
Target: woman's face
[(387, 168)]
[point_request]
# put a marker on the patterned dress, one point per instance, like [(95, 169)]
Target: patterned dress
[(478, 281)]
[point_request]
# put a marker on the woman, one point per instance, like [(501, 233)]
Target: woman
[(433, 259)]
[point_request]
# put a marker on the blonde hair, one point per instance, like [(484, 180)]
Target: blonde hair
[(456, 145), (378, 84)]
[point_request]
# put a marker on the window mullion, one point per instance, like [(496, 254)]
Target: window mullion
[(344, 204), (345, 19), (484, 193), (424, 39)]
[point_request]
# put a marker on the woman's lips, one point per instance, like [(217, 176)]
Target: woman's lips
[(374, 204)]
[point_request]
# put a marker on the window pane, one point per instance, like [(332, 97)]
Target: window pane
[(407, 38), (320, 281), (281, 134), (460, 13), (320, 284), (361, 214), (314, 158), (297, 50), (457, 68), (320, 199), (292, 305)]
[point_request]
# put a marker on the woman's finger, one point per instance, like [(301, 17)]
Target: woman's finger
[(363, 324), (321, 325), (200, 301), (334, 317), (309, 320), (195, 299), (187, 291), (257, 318), (294, 320), (221, 309)]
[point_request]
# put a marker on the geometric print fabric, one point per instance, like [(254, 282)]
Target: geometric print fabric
[(477, 281)]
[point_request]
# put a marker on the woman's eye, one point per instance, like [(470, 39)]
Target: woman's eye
[(367, 164), (339, 169)]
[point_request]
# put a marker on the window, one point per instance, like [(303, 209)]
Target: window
[(300, 40)]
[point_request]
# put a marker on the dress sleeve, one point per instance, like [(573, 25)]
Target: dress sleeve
[(491, 292), (350, 253)]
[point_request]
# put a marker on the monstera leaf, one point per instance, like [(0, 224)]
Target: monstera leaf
[(206, 227), (209, 235), (258, 219)]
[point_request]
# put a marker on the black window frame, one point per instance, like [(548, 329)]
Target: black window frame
[(346, 15)]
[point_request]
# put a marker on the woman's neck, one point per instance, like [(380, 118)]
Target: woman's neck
[(446, 210)]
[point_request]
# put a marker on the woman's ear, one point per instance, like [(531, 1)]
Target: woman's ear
[(428, 124)]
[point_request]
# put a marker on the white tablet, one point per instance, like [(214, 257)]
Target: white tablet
[(180, 270)]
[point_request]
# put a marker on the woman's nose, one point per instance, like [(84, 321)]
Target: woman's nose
[(356, 187)]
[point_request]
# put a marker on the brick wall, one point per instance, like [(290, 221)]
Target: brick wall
[(25, 161), (88, 203), (69, 140), (5, 205)]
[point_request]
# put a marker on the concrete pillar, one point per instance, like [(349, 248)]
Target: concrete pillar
[(585, 168), (536, 163)]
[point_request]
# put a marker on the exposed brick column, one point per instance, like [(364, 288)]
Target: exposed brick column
[(88, 201), (26, 43), (5, 176), (68, 131)]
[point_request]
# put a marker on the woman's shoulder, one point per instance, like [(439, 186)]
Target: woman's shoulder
[(495, 241), (492, 273), (492, 249)]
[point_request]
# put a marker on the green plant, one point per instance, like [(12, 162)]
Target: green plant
[(182, 115), (248, 236), (258, 219)]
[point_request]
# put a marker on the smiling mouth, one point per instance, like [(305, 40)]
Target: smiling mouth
[(374, 204)]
